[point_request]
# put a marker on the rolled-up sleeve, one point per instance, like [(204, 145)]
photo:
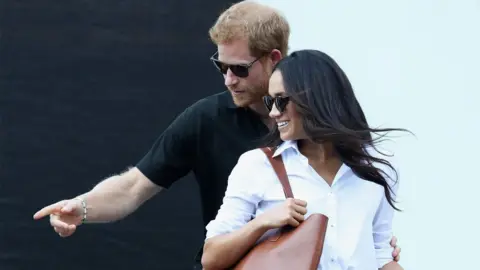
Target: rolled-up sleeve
[(241, 198), (382, 227)]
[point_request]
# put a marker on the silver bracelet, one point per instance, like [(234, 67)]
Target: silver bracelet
[(84, 205)]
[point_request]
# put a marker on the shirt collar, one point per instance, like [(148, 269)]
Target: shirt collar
[(284, 146), (231, 104)]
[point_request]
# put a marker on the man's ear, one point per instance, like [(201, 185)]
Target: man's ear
[(275, 56)]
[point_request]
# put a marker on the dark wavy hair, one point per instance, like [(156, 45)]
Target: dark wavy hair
[(325, 100)]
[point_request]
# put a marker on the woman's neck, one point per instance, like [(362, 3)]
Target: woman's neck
[(321, 152), (322, 158)]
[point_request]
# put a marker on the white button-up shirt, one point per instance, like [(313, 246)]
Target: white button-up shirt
[(360, 218)]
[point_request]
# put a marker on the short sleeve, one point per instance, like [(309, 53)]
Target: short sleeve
[(245, 190), (172, 155), (383, 223)]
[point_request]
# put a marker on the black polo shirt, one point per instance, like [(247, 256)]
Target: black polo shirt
[(207, 139)]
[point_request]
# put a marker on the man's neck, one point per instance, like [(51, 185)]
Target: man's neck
[(259, 108)]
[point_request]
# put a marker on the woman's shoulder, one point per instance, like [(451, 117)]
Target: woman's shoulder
[(251, 174), (254, 164), (255, 157)]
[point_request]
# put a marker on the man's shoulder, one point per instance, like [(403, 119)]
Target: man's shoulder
[(215, 101), (212, 105)]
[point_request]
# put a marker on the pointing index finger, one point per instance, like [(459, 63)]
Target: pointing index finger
[(51, 209)]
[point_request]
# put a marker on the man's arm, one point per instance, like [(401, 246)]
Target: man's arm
[(110, 200), (119, 196), (170, 158)]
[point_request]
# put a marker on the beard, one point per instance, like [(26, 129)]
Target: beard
[(251, 95)]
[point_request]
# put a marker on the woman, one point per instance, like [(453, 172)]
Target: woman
[(329, 155)]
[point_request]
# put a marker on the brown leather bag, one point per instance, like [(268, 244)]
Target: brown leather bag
[(297, 248)]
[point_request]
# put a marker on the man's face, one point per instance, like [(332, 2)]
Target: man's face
[(246, 90)]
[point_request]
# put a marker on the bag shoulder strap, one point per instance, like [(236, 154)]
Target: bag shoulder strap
[(279, 167)]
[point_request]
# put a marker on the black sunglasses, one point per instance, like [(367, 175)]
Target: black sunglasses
[(240, 70), (280, 102)]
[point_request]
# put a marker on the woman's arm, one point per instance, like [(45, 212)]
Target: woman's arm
[(223, 251), (383, 226), (220, 252), (391, 266), (233, 231)]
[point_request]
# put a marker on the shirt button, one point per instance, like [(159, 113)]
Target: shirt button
[(332, 259), (332, 225)]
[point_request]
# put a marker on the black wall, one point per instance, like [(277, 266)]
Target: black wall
[(85, 88)]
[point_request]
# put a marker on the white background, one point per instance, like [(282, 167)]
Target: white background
[(414, 64)]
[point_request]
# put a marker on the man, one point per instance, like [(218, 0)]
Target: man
[(208, 137)]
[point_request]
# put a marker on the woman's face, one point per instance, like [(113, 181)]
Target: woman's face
[(289, 122)]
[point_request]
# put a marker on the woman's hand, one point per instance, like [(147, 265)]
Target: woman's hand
[(291, 212)]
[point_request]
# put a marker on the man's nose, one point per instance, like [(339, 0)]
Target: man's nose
[(230, 78)]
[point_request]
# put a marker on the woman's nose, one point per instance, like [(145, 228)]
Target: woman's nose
[(274, 112)]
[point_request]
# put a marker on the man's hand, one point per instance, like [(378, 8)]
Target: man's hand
[(65, 216), (397, 249)]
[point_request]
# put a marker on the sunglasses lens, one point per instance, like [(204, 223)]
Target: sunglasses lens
[(268, 101), (239, 71), (220, 66), (281, 103)]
